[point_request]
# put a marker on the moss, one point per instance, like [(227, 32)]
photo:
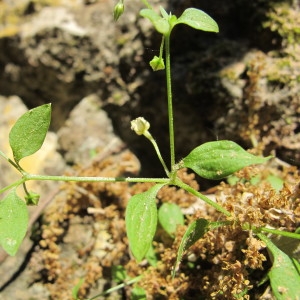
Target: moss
[(285, 20)]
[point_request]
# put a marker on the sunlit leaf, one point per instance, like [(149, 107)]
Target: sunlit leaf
[(141, 221), (284, 275), (194, 232), (138, 293), (13, 222), (29, 132), (160, 24), (169, 216), (198, 19), (219, 159), (119, 273), (76, 288)]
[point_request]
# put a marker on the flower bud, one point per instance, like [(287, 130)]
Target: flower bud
[(140, 126), (118, 10), (32, 198), (157, 63)]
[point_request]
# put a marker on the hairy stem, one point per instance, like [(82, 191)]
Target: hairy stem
[(189, 189), (170, 101), (148, 135), (94, 179), (118, 287), (280, 232)]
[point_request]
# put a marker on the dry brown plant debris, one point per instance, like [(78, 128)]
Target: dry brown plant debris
[(227, 262)]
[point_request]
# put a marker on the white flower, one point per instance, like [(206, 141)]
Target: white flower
[(140, 125)]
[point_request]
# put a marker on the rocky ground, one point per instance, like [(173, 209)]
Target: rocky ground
[(242, 84)]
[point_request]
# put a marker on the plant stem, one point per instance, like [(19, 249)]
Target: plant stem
[(3, 155), (170, 102), (149, 136), (280, 232), (189, 189), (15, 184), (17, 166), (93, 179), (120, 286), (27, 177)]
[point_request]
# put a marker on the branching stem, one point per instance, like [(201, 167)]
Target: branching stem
[(208, 201)]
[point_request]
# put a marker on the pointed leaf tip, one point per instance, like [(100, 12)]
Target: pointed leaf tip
[(219, 159), (193, 233), (28, 134), (198, 19), (141, 221), (13, 222)]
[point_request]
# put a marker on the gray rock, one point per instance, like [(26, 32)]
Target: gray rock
[(87, 133)]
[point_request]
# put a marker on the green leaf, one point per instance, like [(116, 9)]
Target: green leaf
[(284, 276), (151, 256), (219, 159), (164, 13), (194, 232), (161, 25), (29, 132), (276, 182), (138, 293), (76, 288), (198, 19), (169, 216), (119, 273), (141, 221), (13, 222)]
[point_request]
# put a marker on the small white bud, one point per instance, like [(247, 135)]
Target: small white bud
[(140, 125)]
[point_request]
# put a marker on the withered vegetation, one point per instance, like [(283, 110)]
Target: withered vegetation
[(83, 235)]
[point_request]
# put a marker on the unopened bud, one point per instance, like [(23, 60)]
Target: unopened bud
[(118, 10), (157, 63), (32, 198), (140, 126)]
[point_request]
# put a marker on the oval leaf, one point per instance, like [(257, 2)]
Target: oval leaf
[(198, 19), (194, 232), (29, 132), (160, 24), (284, 275), (219, 159), (169, 216), (13, 222), (141, 221)]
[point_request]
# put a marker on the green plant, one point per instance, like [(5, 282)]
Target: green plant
[(212, 160)]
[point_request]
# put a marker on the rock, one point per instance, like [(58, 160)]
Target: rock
[(45, 161), (60, 54), (87, 133)]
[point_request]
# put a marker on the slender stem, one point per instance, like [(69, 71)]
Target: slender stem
[(170, 102), (27, 177), (120, 286), (161, 49), (3, 155), (15, 184), (267, 241), (17, 166), (280, 232), (93, 179), (149, 136), (189, 189)]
